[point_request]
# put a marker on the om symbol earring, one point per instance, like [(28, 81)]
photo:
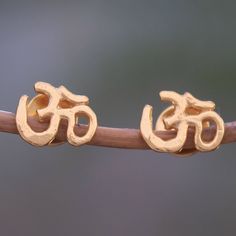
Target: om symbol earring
[(54, 104), (186, 111)]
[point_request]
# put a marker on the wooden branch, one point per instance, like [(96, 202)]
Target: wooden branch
[(115, 137)]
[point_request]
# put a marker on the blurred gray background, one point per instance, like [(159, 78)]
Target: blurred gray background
[(120, 54)]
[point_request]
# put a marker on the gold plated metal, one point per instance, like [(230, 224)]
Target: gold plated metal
[(186, 111), (54, 104)]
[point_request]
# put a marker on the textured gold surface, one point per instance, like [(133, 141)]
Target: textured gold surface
[(54, 104), (186, 111)]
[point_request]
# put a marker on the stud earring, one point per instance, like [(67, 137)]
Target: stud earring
[(186, 111), (54, 104)]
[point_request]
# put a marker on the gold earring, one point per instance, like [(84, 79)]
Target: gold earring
[(186, 111), (54, 104)]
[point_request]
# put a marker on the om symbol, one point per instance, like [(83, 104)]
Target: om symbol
[(54, 104), (186, 111)]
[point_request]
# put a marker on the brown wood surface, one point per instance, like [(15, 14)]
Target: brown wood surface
[(115, 137)]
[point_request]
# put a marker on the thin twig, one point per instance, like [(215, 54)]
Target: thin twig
[(115, 137)]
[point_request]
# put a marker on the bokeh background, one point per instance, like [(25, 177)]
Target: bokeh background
[(120, 54)]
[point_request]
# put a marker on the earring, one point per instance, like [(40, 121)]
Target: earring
[(186, 111), (54, 104)]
